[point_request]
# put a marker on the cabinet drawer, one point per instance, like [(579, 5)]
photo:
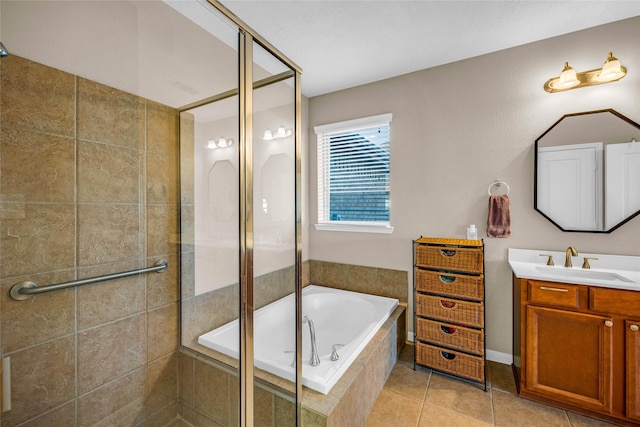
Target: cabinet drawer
[(605, 300), (456, 285), (449, 335), (557, 294), (453, 362), (466, 312), (453, 258)]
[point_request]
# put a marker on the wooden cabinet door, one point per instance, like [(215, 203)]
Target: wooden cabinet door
[(569, 357), (633, 369)]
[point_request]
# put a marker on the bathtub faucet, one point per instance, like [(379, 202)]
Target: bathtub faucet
[(315, 360)]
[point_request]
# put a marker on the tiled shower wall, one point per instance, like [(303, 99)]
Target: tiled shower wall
[(88, 186)]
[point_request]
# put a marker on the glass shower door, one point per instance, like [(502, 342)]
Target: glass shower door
[(274, 239)]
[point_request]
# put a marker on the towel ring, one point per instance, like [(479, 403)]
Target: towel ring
[(498, 184)]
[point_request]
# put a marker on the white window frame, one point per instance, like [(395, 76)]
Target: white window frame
[(349, 226)]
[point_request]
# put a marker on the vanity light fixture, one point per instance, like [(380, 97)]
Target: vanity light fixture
[(280, 133), (569, 79), (221, 142)]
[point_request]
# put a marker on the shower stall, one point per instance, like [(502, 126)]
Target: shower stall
[(133, 132)]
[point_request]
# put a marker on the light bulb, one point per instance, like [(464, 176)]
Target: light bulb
[(611, 70), (268, 136), (567, 79)]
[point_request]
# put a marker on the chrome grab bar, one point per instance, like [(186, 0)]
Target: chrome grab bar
[(23, 290)]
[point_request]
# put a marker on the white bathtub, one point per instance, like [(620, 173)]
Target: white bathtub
[(339, 317)]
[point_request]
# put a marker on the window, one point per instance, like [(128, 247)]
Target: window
[(354, 175)]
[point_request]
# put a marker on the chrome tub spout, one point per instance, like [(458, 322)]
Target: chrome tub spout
[(314, 360)]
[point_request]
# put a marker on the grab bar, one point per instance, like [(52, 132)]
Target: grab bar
[(23, 290)]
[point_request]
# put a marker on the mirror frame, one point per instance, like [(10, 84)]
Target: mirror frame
[(535, 170)]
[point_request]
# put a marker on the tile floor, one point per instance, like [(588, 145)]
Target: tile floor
[(423, 398)]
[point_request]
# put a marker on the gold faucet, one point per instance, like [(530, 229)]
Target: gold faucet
[(571, 251)]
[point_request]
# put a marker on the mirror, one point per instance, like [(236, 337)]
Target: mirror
[(587, 171)]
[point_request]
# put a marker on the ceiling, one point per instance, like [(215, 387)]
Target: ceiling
[(178, 52), (341, 44)]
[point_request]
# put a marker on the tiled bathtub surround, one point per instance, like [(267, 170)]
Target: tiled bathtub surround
[(208, 392), (357, 278), (350, 400), (88, 186)]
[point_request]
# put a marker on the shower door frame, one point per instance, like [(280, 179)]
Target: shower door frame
[(246, 86)]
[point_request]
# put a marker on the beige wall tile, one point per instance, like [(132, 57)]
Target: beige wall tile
[(204, 421), (334, 274), (212, 393), (162, 331), (187, 228), (188, 415), (43, 378), (162, 230), (109, 115), (38, 130), (186, 380), (216, 308), (284, 412), (108, 232), (188, 274), (111, 300), (117, 402), (162, 378), (162, 287), (62, 416), (188, 323), (187, 158), (41, 240), (313, 419), (37, 166), (316, 272), (108, 173), (37, 97), (392, 284), (41, 317), (167, 416), (109, 351), (262, 407), (360, 278), (162, 128), (162, 178)]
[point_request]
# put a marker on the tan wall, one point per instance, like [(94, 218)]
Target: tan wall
[(457, 128), (88, 187)]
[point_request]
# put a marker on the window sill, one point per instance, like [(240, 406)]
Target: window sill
[(355, 227)]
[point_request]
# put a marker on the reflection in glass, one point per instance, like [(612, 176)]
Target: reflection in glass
[(588, 171)]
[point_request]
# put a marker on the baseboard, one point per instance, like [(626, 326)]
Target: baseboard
[(500, 357), (492, 355)]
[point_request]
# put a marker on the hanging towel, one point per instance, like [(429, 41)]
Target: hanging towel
[(499, 222)]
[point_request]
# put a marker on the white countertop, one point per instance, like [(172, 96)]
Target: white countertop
[(608, 271)]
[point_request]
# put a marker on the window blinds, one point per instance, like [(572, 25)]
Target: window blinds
[(353, 171)]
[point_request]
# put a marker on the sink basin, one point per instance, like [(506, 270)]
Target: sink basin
[(580, 273)]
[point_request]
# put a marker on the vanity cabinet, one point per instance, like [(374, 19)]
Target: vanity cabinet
[(449, 306), (576, 347)]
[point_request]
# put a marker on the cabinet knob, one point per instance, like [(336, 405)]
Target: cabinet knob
[(608, 323), (634, 328)]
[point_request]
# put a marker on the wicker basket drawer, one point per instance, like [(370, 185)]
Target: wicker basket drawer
[(465, 312), (456, 285), (458, 259), (451, 336), (453, 362)]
